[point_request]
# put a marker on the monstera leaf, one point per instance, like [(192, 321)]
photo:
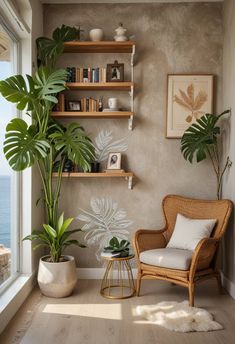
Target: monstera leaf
[(16, 90), (26, 92), (23, 145), (48, 83), (74, 143), (200, 136), (50, 49)]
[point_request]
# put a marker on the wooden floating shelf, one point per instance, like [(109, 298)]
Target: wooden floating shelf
[(99, 47), (127, 175), (76, 114), (122, 86), (95, 174)]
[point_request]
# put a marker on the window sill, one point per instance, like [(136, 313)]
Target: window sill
[(13, 297)]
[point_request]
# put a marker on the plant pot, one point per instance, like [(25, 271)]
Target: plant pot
[(95, 167), (68, 166), (57, 279), (96, 35)]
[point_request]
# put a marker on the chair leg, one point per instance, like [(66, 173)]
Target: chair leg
[(191, 289), (219, 282), (138, 283)]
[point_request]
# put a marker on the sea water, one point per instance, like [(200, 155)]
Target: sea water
[(5, 215)]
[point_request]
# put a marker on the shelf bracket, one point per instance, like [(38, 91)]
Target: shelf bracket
[(130, 123), (130, 182), (132, 56)]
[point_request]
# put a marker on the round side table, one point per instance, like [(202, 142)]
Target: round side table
[(118, 282)]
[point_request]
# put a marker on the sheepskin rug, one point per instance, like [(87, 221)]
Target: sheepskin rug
[(179, 317)]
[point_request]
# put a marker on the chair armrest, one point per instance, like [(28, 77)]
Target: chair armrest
[(203, 255), (148, 239)]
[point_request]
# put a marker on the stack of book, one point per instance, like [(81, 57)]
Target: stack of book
[(89, 105), (86, 74), (110, 254)]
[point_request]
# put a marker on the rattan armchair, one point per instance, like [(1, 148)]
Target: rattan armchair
[(203, 263)]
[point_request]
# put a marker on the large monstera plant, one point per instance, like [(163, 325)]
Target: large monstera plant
[(49, 49), (44, 141), (202, 140)]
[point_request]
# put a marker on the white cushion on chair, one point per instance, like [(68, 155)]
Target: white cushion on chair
[(170, 258), (188, 232)]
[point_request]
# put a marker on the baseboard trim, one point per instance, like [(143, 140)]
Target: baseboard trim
[(228, 285), (96, 273)]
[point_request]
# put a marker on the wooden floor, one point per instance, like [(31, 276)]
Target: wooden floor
[(87, 318)]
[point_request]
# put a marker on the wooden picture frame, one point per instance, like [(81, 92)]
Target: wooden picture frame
[(189, 96), (114, 161), (74, 105), (115, 72)]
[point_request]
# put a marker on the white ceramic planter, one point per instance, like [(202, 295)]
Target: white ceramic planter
[(57, 279), (96, 35)]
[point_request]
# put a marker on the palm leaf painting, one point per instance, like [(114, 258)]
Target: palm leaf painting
[(104, 222), (192, 103), (104, 145)]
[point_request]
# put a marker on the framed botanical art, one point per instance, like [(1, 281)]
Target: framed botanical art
[(188, 98)]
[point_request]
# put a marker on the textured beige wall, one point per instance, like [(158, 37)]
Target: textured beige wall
[(37, 210), (171, 38), (229, 102)]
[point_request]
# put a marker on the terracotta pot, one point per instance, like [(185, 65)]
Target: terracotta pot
[(57, 279)]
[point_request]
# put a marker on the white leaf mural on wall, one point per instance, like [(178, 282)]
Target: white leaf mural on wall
[(104, 222), (104, 145)]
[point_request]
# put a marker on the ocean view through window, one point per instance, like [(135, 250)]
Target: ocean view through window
[(9, 227)]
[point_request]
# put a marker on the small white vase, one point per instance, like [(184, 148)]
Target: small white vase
[(96, 35), (57, 279), (120, 34)]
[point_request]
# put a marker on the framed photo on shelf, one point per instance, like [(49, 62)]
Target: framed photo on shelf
[(189, 97), (74, 105), (115, 72), (114, 161)]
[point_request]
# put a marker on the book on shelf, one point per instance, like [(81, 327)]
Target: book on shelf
[(71, 76), (60, 106), (86, 75), (110, 254), (89, 105), (112, 110), (121, 254), (114, 171)]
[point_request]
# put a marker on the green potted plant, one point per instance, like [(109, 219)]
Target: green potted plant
[(45, 143), (56, 280), (201, 140), (117, 248)]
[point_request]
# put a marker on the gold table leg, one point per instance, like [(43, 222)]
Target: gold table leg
[(114, 285)]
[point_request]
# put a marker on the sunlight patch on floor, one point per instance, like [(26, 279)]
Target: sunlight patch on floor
[(109, 311)]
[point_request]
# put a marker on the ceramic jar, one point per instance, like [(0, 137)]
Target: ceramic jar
[(96, 35), (113, 103)]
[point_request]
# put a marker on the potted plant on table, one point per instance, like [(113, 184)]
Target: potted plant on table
[(116, 248), (43, 143)]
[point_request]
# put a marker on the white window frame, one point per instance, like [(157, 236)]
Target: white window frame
[(16, 228)]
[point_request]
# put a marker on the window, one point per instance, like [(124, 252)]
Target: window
[(9, 180)]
